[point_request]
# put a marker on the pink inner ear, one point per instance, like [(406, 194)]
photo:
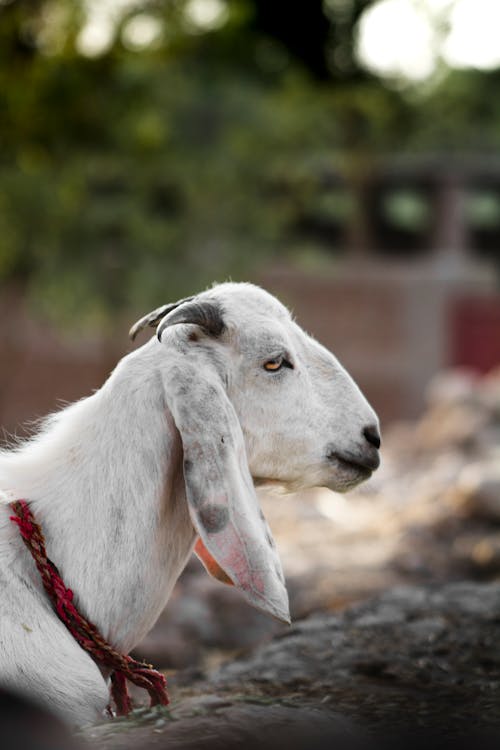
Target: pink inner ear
[(211, 565)]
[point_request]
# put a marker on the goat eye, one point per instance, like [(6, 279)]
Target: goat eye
[(273, 365)]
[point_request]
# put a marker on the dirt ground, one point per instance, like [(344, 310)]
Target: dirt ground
[(419, 659)]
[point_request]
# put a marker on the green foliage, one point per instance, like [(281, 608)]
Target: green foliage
[(132, 178), (407, 209), (482, 209), (136, 176), (461, 112), (142, 196)]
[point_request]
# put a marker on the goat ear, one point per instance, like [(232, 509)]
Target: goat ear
[(211, 565), (235, 540)]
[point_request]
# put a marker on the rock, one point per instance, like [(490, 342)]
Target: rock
[(478, 551), (372, 677), (461, 407), (427, 652), (451, 387), (451, 426), (478, 491)]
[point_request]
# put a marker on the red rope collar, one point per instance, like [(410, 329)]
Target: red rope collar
[(84, 632)]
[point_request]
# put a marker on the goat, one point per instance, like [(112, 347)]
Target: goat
[(230, 393)]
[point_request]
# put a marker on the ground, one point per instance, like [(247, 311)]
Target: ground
[(413, 658)]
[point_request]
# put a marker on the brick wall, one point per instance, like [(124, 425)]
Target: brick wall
[(389, 325)]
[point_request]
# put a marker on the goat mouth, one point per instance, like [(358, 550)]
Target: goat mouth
[(350, 464)]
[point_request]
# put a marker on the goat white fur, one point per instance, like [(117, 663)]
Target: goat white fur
[(124, 481)]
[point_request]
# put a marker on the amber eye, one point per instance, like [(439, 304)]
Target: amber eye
[(274, 364)]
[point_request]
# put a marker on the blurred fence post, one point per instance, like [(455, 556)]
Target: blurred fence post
[(450, 240)]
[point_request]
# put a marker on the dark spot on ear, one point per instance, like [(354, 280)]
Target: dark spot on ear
[(214, 518), (193, 336), (188, 466), (222, 439)]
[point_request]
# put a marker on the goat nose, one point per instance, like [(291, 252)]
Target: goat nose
[(372, 434)]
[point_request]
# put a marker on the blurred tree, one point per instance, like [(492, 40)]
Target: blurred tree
[(462, 111), (17, 39), (139, 173), (190, 146)]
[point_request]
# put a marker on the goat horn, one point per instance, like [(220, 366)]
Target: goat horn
[(207, 315), (153, 318)]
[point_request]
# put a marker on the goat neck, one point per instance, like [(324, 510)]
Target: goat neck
[(104, 479)]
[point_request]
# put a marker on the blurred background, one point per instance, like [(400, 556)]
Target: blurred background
[(343, 153)]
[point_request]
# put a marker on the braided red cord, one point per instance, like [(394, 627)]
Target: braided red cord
[(84, 632)]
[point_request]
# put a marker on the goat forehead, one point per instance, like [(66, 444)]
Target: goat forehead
[(243, 302), (261, 338)]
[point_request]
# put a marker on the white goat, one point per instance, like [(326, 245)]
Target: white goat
[(228, 394)]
